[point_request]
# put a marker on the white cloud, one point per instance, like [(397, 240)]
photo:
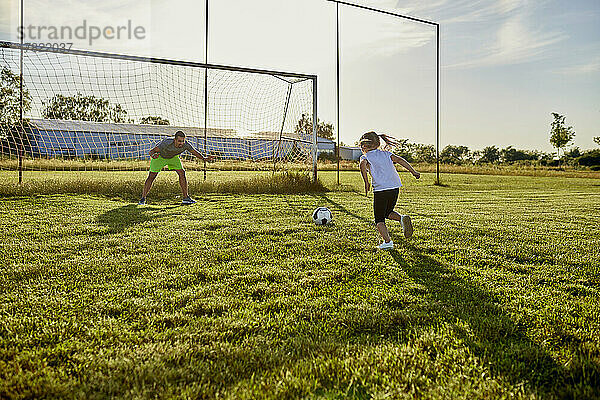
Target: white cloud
[(516, 42), (585, 68), (369, 34), (501, 32), (515, 39), (506, 6), (386, 38)]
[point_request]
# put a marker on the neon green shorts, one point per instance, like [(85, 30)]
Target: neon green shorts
[(157, 164)]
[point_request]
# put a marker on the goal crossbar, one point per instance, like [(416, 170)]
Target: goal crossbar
[(18, 46)]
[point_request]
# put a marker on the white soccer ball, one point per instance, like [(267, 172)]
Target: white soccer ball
[(322, 216)]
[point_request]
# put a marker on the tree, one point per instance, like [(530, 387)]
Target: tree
[(154, 120), (84, 108), (404, 149), (304, 126), (10, 107), (424, 153), (573, 153), (511, 154), (454, 154), (590, 158), (10, 113), (560, 135), (490, 154), (597, 140)]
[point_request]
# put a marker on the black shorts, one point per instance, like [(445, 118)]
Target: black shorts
[(384, 203)]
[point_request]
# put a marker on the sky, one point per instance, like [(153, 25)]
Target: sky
[(506, 65)]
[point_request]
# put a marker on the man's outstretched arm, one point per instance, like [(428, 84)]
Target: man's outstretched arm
[(155, 152), (199, 155)]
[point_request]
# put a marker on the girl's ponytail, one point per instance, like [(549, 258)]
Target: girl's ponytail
[(390, 142), (373, 140)]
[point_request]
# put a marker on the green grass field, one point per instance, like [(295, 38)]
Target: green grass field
[(497, 295)]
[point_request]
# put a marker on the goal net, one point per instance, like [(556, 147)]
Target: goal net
[(86, 110), (392, 61)]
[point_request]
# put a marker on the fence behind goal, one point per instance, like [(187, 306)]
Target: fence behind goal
[(97, 111)]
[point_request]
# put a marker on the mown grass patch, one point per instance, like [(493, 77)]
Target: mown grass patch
[(241, 296)]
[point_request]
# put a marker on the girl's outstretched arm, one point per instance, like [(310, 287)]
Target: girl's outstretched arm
[(363, 172), (405, 164)]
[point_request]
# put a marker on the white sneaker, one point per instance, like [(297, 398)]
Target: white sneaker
[(386, 246), (407, 227)]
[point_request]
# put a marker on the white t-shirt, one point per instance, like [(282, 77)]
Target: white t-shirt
[(383, 172)]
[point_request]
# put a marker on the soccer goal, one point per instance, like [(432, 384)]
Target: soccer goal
[(82, 110)]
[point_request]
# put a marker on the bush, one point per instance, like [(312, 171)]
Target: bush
[(94, 155), (406, 155), (511, 154), (549, 163), (590, 158), (454, 154), (573, 153), (327, 156), (424, 153)]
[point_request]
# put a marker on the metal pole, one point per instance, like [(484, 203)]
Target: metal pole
[(20, 144), (437, 124), (315, 129), (205, 116), (337, 43), (205, 88)]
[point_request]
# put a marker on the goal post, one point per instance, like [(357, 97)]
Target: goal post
[(85, 110)]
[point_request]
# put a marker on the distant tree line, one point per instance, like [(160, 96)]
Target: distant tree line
[(462, 155), (560, 137), (91, 108)]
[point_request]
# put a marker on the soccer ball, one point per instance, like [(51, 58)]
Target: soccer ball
[(322, 216)]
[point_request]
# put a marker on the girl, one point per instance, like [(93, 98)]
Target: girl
[(386, 183)]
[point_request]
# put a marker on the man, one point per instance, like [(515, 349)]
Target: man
[(167, 153)]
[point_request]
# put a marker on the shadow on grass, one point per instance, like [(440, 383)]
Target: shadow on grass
[(493, 336), (120, 218), (339, 207)]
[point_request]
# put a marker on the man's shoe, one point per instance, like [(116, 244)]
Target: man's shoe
[(188, 200), (142, 201)]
